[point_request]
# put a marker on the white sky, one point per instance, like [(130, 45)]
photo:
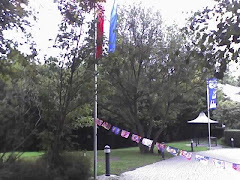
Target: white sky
[(49, 17), (47, 26)]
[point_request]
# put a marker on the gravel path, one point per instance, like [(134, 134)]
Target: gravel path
[(178, 168)]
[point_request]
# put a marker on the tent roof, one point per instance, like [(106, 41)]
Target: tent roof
[(202, 118)]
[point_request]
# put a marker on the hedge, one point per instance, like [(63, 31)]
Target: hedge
[(232, 133)]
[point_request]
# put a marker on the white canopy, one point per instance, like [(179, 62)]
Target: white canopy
[(202, 118)]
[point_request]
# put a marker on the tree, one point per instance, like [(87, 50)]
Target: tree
[(227, 112), (20, 107), (148, 77), (67, 82), (219, 44), (13, 16)]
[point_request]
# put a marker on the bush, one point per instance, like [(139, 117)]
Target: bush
[(75, 167), (232, 133)]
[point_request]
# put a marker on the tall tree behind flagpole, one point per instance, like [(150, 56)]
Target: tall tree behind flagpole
[(97, 54)]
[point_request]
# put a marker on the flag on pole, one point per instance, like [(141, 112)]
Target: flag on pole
[(113, 28), (100, 23), (212, 93)]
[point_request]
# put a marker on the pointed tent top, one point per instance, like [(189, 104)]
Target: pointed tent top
[(202, 118)]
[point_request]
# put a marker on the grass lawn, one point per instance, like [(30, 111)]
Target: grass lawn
[(185, 145), (31, 156), (124, 159), (130, 158)]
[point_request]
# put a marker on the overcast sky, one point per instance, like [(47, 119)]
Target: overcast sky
[(49, 17), (173, 11)]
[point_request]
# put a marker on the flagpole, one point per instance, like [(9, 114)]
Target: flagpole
[(95, 100), (209, 127)]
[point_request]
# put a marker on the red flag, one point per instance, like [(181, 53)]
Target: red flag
[(100, 22)]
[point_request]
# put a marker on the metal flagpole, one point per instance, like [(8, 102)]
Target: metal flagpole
[(209, 126), (95, 101)]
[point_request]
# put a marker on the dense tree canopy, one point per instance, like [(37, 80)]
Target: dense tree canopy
[(217, 34), (150, 76)]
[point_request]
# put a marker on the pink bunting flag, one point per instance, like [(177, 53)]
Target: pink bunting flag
[(99, 122), (187, 155), (106, 125), (125, 134), (218, 163), (136, 138), (236, 167), (160, 146)]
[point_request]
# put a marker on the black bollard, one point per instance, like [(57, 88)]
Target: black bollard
[(232, 142), (107, 151), (192, 145)]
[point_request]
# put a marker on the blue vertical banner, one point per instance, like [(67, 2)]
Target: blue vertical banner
[(212, 93), (113, 28)]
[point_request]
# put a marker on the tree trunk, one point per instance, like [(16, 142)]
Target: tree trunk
[(155, 139)]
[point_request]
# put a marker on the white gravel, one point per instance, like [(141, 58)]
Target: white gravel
[(178, 168)]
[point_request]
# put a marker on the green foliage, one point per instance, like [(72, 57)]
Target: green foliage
[(74, 166), (216, 34), (14, 15), (232, 133), (151, 78), (20, 106), (228, 111)]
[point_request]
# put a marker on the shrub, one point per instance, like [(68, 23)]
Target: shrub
[(232, 133), (75, 167)]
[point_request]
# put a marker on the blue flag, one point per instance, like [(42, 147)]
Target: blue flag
[(212, 93), (113, 28)]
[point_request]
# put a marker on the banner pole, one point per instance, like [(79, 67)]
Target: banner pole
[(95, 101), (209, 126)]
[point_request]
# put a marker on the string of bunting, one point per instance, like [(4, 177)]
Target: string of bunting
[(172, 150)]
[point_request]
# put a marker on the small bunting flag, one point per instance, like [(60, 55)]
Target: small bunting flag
[(203, 159), (218, 163), (125, 134), (136, 138), (172, 150), (99, 122), (147, 142), (160, 146), (116, 130), (106, 125), (236, 167), (187, 155)]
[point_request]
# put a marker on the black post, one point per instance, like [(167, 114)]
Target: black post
[(192, 145), (107, 151), (232, 142)]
